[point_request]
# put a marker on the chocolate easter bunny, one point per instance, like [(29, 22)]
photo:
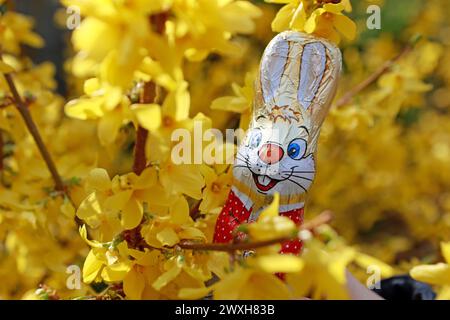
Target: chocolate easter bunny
[(296, 83)]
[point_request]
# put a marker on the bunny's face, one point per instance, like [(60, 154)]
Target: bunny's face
[(276, 155), (297, 81)]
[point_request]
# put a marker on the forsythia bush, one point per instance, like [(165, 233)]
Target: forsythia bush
[(101, 191)]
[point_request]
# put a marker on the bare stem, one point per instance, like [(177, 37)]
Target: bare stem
[(34, 131), (321, 219), (230, 247), (148, 96), (347, 97), (195, 212), (140, 160), (1, 151)]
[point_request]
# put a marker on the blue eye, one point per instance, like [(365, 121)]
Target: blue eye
[(255, 139), (293, 150), (296, 149)]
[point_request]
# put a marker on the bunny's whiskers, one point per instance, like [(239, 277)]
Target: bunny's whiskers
[(299, 184), (301, 177)]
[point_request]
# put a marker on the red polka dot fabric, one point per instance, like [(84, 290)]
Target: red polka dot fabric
[(293, 246), (234, 214)]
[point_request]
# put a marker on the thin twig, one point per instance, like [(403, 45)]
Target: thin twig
[(349, 95), (148, 96), (230, 247), (1, 151), (194, 213), (140, 160), (34, 131), (321, 219)]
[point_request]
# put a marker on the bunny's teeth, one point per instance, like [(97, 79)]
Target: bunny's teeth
[(264, 180)]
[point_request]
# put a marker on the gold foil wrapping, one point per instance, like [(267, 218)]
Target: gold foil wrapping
[(297, 81)]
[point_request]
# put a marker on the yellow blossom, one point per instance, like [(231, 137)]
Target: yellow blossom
[(323, 273), (216, 189), (117, 200), (436, 274), (324, 19)]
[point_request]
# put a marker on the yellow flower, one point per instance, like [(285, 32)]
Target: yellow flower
[(107, 261), (255, 281), (324, 19), (291, 16), (148, 115), (202, 26), (104, 102), (328, 22), (153, 276), (145, 274), (323, 272), (121, 263), (5, 68), (182, 178), (270, 225), (118, 200), (111, 37), (15, 29), (365, 261), (241, 102), (251, 284), (173, 113), (171, 225), (436, 274), (137, 283), (216, 189)]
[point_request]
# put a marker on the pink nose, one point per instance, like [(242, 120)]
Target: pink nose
[(270, 153)]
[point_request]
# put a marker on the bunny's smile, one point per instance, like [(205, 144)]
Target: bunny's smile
[(263, 182)]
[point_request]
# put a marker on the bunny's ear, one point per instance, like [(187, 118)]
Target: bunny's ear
[(299, 69), (312, 69), (273, 64)]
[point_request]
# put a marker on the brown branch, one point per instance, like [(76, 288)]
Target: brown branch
[(1, 151), (159, 21), (194, 213), (148, 95), (347, 97), (34, 131), (230, 247), (140, 160), (321, 219)]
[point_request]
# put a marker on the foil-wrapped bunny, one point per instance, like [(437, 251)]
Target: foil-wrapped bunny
[(296, 83)]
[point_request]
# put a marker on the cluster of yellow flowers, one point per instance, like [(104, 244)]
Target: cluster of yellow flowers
[(322, 18), (37, 230), (152, 66)]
